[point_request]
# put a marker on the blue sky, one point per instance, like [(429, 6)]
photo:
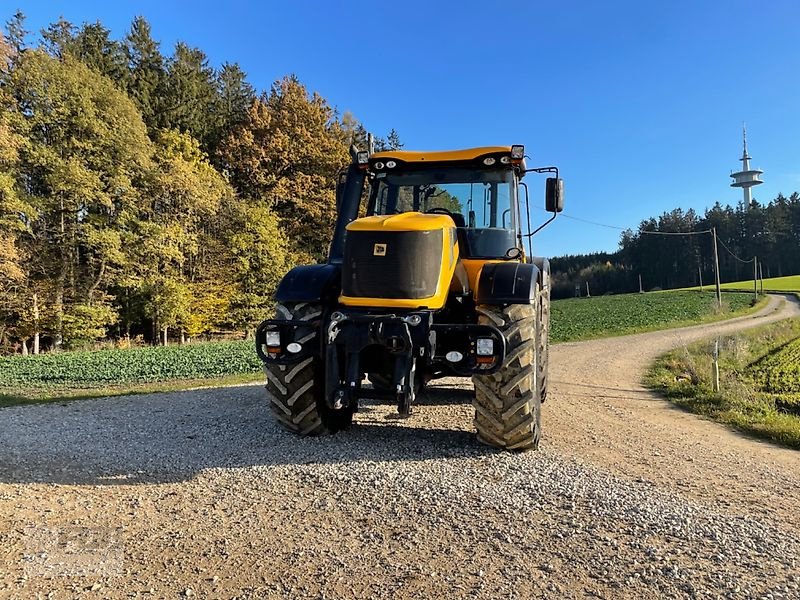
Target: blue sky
[(639, 103)]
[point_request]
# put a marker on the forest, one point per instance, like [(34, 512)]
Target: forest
[(150, 197), (770, 232)]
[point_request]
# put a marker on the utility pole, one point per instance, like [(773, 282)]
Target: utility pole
[(716, 267), (755, 279), (641, 291), (700, 273), (761, 276)]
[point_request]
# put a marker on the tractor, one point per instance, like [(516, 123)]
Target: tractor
[(428, 275)]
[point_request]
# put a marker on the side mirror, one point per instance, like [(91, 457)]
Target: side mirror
[(554, 195)]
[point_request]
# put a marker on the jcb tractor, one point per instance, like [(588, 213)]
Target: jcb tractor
[(435, 280)]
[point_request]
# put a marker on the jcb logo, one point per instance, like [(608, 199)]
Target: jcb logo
[(379, 250)]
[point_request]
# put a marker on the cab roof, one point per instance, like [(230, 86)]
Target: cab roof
[(420, 159), (440, 155)]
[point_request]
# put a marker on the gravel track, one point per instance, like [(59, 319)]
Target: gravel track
[(200, 493)]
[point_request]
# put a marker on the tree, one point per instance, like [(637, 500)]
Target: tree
[(15, 28), (147, 81), (233, 98), (177, 231), (390, 142), (58, 38), (189, 94), (258, 259), (288, 153), (86, 152), (94, 47), (12, 206)]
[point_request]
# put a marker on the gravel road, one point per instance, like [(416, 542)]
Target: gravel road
[(199, 493)]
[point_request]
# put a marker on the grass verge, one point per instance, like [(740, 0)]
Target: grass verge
[(756, 382)]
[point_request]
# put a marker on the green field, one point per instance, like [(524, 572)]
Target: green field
[(775, 284), (102, 372), (759, 381), (603, 316), (778, 375)]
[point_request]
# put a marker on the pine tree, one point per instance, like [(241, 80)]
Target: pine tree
[(233, 98), (95, 48), (15, 28), (190, 94), (58, 38), (147, 80)]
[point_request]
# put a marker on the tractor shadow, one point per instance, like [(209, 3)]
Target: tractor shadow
[(172, 437), (435, 394)]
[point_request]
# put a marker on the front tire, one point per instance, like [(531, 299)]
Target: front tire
[(508, 402), (296, 391)]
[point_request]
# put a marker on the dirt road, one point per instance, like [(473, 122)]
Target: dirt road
[(200, 494)]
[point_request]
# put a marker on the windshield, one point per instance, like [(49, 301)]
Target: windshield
[(482, 198)]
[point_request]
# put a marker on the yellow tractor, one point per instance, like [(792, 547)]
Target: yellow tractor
[(434, 280)]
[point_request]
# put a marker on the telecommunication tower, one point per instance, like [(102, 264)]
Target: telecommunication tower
[(747, 177)]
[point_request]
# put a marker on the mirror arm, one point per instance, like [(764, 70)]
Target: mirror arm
[(543, 170), (542, 226), (555, 214)]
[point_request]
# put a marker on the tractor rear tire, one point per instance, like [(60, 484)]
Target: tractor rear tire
[(507, 403), (543, 354), (296, 391)]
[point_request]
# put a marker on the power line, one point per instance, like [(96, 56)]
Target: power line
[(732, 254), (640, 232), (676, 232), (594, 222)]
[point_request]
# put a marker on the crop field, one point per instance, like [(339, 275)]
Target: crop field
[(778, 374), (759, 380), (601, 316), (774, 284), (102, 368)]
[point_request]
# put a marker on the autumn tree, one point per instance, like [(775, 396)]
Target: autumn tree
[(85, 154), (12, 205), (288, 153)]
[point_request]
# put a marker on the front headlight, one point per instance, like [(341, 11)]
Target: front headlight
[(485, 347)]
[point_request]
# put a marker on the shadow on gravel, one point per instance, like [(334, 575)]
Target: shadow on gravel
[(163, 438)]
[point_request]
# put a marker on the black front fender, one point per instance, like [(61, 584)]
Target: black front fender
[(508, 283), (544, 271), (310, 283)]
